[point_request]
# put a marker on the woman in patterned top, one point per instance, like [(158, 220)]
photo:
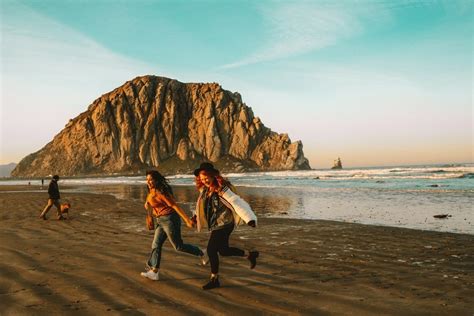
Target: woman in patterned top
[(167, 213)]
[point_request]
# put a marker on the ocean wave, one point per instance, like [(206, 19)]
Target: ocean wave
[(398, 173), (398, 170), (306, 177), (454, 165)]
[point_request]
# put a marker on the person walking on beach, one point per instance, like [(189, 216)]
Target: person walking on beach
[(220, 210), (167, 213), (54, 196)]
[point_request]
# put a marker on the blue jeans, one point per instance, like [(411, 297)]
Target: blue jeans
[(169, 226)]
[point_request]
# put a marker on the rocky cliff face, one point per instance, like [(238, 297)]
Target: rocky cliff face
[(156, 122)]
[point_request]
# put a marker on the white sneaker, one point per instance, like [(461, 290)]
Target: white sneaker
[(204, 258), (150, 275)]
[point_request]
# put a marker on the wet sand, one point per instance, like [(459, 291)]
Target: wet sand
[(90, 265)]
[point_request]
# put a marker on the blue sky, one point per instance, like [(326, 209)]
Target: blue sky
[(374, 82)]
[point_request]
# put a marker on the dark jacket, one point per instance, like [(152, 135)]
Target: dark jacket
[(53, 190), (216, 213)]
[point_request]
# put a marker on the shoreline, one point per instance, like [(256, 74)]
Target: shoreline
[(326, 168), (90, 264), (186, 195)]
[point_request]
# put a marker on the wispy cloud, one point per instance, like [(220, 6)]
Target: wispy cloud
[(50, 73), (44, 46), (298, 28)]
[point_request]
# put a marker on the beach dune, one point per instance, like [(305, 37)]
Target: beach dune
[(91, 264)]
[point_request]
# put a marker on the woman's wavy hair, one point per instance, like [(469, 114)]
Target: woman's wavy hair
[(217, 183), (161, 183)]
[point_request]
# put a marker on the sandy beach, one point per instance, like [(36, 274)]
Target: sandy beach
[(90, 264)]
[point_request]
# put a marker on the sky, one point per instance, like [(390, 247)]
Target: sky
[(376, 82)]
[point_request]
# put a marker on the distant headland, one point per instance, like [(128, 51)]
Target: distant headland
[(158, 122)]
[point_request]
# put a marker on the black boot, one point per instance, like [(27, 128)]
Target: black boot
[(252, 257), (212, 284)]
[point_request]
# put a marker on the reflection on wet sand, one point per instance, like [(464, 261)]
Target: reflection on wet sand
[(374, 207), (267, 202), (264, 201), (120, 191)]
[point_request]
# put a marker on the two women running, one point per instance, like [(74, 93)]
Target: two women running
[(218, 209)]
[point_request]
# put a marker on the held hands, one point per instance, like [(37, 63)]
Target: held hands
[(251, 224), (189, 223)]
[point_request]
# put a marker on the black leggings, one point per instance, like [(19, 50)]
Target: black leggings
[(219, 243)]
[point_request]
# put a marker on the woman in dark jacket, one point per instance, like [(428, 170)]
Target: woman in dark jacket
[(220, 210)]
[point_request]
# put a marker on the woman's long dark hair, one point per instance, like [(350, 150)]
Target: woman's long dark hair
[(161, 183)]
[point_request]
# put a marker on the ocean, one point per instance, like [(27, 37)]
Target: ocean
[(403, 196)]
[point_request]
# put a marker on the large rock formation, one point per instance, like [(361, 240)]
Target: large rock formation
[(159, 122)]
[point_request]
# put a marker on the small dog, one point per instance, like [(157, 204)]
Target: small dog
[(65, 208)]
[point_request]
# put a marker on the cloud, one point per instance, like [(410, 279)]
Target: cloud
[(298, 28), (294, 29), (50, 73), (37, 45)]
